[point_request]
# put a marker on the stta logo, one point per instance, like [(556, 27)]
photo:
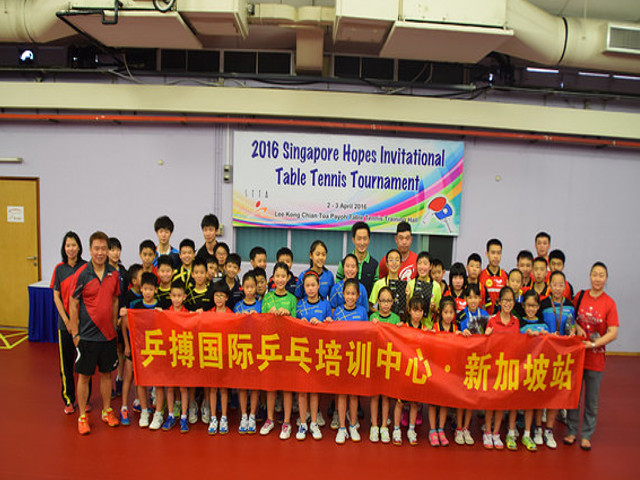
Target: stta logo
[(260, 209), (489, 283)]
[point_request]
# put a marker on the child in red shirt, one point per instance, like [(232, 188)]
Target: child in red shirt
[(493, 278), (503, 322)]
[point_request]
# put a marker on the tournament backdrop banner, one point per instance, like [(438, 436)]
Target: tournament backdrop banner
[(268, 352), (329, 182)]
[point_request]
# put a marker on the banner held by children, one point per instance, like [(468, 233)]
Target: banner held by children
[(337, 180), (269, 352)]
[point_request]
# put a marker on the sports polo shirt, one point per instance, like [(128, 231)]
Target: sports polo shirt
[(197, 299), (559, 317), (61, 281), (319, 310), (408, 268), (336, 298), (243, 307), (163, 297), (343, 314), (286, 301), (513, 326), (493, 283), (173, 253), (96, 295), (326, 284), (184, 274)]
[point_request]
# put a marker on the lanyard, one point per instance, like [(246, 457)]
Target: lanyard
[(557, 316)]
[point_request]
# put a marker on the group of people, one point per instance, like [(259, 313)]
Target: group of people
[(404, 288)]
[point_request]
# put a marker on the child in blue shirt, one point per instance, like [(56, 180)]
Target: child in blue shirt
[(350, 269), (473, 321), (313, 310), (350, 312), (317, 259), (249, 304)]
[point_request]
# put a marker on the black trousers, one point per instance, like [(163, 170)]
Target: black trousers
[(67, 360)]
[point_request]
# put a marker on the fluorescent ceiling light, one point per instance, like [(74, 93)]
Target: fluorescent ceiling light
[(10, 159), (542, 70), (625, 77), (593, 74)]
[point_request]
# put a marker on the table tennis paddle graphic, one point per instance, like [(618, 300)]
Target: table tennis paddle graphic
[(442, 211)]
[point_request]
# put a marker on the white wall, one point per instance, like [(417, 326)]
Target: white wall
[(586, 198), (107, 177)]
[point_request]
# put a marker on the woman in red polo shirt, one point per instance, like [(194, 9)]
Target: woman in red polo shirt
[(597, 319)]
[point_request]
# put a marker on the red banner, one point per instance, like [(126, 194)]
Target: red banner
[(269, 352)]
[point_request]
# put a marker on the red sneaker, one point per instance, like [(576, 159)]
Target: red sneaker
[(69, 409), (83, 425)]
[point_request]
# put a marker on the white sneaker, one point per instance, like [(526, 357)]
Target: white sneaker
[(497, 443), (193, 412), (468, 439), (537, 436), (224, 425), (144, 419), (354, 434), (341, 436), (205, 412), (374, 434), (384, 435), (213, 426), (302, 431), (314, 428), (267, 427), (349, 422), (285, 432), (244, 425), (412, 436), (251, 425), (459, 438), (156, 423), (335, 422), (397, 436), (320, 420), (549, 441)]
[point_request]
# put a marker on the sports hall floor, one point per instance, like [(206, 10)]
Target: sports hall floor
[(37, 441)]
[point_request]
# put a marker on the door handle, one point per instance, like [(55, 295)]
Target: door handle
[(35, 257)]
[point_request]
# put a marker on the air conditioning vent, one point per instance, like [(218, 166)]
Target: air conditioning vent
[(623, 39)]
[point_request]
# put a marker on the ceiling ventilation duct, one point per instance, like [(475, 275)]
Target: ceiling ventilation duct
[(447, 30)]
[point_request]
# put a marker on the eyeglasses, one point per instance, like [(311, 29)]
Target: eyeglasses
[(390, 300)]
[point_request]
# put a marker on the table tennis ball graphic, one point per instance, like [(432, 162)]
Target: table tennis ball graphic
[(442, 211)]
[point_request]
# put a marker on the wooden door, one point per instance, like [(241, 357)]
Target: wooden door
[(19, 247)]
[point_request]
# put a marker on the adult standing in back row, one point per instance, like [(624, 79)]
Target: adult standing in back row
[(93, 313), (367, 265), (408, 259)]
